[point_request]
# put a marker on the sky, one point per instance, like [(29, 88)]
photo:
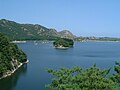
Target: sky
[(99, 18)]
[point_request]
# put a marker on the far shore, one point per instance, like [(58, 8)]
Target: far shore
[(96, 41), (7, 74), (62, 47)]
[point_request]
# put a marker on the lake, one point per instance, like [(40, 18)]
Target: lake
[(42, 56)]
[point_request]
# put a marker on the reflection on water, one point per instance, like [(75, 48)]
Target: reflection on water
[(10, 82)]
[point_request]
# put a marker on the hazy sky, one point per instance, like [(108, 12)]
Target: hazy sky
[(81, 17)]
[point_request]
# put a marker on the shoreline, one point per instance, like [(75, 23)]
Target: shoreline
[(64, 47), (18, 41), (9, 73), (96, 41), (61, 47)]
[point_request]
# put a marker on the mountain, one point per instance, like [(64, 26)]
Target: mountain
[(66, 34), (17, 31), (11, 57)]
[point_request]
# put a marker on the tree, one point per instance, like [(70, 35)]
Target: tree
[(77, 78), (116, 77), (63, 42), (9, 54)]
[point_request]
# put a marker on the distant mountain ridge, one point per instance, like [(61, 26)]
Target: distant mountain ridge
[(17, 31)]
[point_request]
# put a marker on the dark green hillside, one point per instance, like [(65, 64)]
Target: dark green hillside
[(16, 31), (10, 55)]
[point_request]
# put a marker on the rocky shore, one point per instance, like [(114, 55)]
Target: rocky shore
[(61, 47), (9, 73)]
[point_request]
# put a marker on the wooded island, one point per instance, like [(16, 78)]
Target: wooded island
[(63, 43)]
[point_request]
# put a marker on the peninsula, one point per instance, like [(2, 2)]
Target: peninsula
[(11, 57)]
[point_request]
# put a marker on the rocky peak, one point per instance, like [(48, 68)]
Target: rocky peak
[(66, 34)]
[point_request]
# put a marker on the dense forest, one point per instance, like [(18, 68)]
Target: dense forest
[(10, 56), (63, 42), (92, 78)]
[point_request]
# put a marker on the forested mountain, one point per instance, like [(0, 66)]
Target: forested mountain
[(11, 57), (18, 31)]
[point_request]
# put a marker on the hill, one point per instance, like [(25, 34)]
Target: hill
[(17, 31), (66, 34), (11, 57)]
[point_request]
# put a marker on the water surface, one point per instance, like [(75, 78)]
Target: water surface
[(34, 76)]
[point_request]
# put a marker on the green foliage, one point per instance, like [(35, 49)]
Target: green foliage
[(77, 78), (116, 76), (63, 42), (9, 52)]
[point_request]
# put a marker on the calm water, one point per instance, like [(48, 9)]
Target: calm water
[(34, 76)]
